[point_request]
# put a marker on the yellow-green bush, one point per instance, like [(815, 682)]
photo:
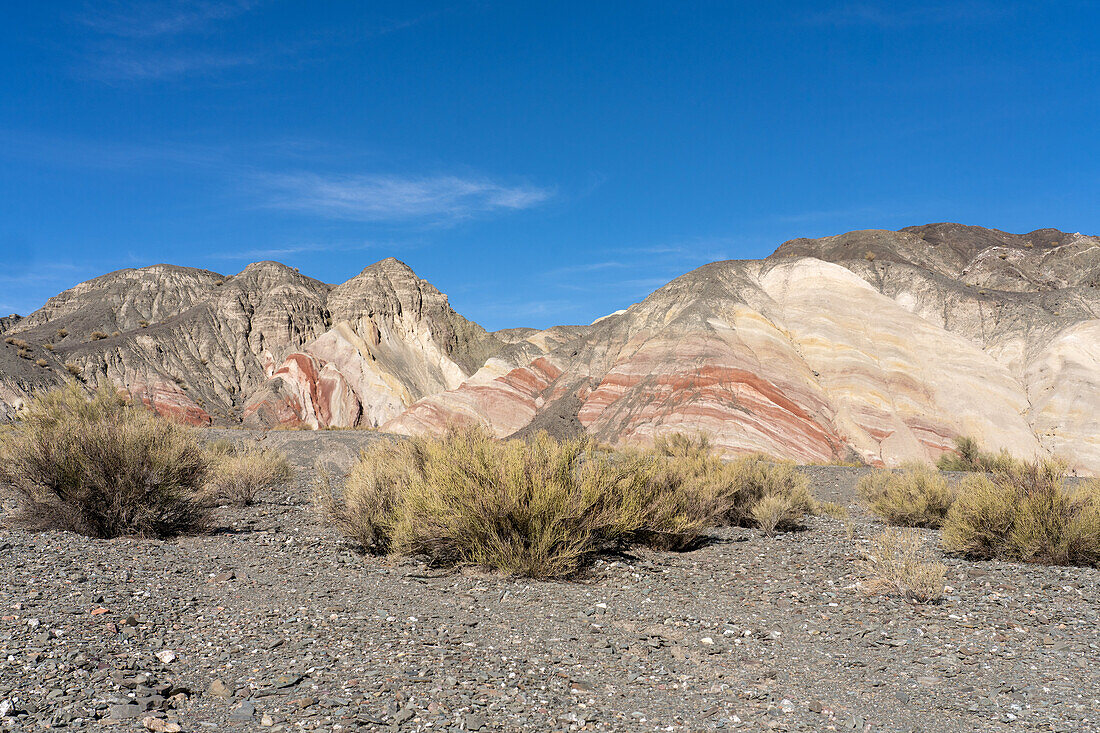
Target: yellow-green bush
[(543, 508), (102, 467), (1026, 514), (968, 456), (237, 475), (915, 496)]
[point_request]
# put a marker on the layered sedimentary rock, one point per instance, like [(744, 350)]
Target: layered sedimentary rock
[(878, 345), (268, 345), (394, 340)]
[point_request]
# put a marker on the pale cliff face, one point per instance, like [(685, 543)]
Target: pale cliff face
[(877, 344)]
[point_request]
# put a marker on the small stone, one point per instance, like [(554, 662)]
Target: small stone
[(220, 689), (244, 711), (166, 656), (159, 725), (267, 721), (126, 711), (786, 705), (474, 722)]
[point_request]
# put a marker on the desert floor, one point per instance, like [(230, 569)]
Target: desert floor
[(274, 622)]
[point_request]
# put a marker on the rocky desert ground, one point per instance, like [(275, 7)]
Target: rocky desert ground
[(274, 622)]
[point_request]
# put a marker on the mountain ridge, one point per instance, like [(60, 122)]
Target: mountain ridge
[(822, 350)]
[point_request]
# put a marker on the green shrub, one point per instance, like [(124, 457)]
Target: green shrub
[(968, 456), (539, 508), (237, 476), (916, 496), (102, 467), (543, 508), (1026, 514)]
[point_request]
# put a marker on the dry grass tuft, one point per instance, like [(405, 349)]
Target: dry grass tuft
[(97, 335), (102, 467), (538, 509), (902, 566), (543, 508), (237, 476), (1026, 514), (832, 509), (916, 496), (968, 456)]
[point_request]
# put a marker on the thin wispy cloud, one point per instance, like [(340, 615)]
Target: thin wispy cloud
[(273, 253), (381, 198), (156, 19), (889, 15)]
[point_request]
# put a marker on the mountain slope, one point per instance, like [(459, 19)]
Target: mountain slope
[(885, 345)]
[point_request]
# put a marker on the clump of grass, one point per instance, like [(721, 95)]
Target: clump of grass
[(543, 508), (539, 508), (916, 496), (1027, 514), (42, 363), (47, 347), (72, 369), (238, 476), (97, 335), (969, 456), (832, 509), (62, 333), (752, 491), (902, 566), (102, 467)]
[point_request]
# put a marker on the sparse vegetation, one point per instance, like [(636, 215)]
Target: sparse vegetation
[(969, 456), (544, 508), (102, 467), (901, 565), (23, 354), (1026, 513), (62, 333), (47, 347), (42, 363), (72, 369), (97, 335), (915, 496), (237, 476), (832, 509), (869, 256), (17, 343)]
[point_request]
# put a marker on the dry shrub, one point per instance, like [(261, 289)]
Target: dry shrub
[(752, 491), (62, 333), (97, 335), (773, 510), (72, 369), (902, 566), (832, 509), (969, 456), (539, 508), (237, 476), (543, 508), (916, 496), (102, 467), (1026, 514)]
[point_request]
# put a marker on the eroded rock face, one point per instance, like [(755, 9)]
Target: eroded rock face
[(395, 340), (259, 346), (878, 345)]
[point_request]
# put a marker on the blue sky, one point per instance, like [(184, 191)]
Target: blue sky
[(540, 162)]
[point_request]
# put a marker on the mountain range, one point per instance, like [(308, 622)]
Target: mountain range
[(878, 346)]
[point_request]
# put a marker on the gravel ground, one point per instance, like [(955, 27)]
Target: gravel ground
[(273, 622)]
